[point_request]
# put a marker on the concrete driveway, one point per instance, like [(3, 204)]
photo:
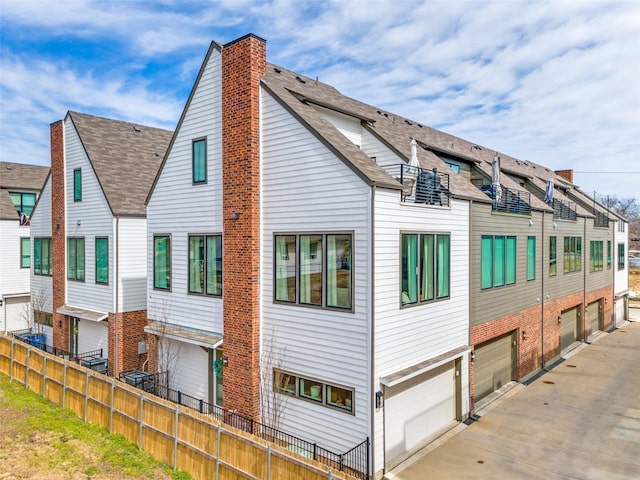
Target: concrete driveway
[(581, 420)]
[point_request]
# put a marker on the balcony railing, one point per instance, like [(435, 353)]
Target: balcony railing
[(429, 187), (564, 209), (600, 220), (507, 200)]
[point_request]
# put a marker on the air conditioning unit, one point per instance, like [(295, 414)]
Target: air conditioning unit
[(142, 380), (97, 364)]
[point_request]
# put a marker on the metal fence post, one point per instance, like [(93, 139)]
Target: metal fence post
[(315, 451)]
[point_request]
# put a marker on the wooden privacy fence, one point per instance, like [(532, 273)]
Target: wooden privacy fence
[(181, 437)]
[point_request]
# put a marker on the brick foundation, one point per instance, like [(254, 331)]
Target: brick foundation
[(243, 63)]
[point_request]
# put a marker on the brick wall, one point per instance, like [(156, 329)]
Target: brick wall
[(58, 241), (243, 63), (125, 331)]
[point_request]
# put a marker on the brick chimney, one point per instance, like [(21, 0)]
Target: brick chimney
[(243, 63), (567, 174), (58, 240)]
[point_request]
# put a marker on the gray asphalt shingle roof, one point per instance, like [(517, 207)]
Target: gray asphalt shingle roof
[(125, 158)]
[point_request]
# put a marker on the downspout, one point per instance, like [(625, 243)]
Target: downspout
[(471, 411), (372, 465), (116, 281), (584, 283), (4, 312), (542, 366)]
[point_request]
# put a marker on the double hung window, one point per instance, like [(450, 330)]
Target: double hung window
[(162, 262), (314, 269), (75, 259), (425, 268), (205, 264), (498, 261)]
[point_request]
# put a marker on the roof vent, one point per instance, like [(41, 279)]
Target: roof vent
[(300, 79), (420, 125), (136, 129), (277, 70), (408, 122)]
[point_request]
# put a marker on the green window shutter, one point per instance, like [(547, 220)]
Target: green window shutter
[(486, 256), (443, 262), (531, 258)]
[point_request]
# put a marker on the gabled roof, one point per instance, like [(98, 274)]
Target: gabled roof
[(125, 158), (19, 177)]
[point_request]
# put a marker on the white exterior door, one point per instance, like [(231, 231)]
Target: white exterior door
[(417, 411), (93, 336)]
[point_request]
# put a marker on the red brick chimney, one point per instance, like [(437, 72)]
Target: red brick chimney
[(567, 174), (243, 63), (58, 241)]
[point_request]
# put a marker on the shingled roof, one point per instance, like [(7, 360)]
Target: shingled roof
[(125, 158), (20, 177)]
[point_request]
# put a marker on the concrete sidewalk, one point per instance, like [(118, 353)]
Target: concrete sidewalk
[(581, 420)]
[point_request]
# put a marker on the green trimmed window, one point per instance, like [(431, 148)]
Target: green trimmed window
[(162, 262), (25, 252), (596, 255), (531, 258), (572, 254), (23, 202), (608, 254), (42, 256), (205, 264), (199, 155), (314, 269), (498, 261), (425, 270), (75, 259), (553, 262), (77, 185), (621, 256), (102, 260)]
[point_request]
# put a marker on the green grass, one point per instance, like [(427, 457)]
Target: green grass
[(70, 443)]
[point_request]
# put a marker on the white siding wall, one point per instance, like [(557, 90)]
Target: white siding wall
[(13, 279), (132, 260), (307, 189), (375, 148), (42, 285), (407, 336), (349, 126), (177, 207), (621, 276), (93, 336), (188, 367), (95, 219)]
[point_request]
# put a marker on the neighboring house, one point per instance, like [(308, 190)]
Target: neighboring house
[(341, 272), (89, 236), (20, 186)]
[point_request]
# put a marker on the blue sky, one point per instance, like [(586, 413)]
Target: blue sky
[(556, 82)]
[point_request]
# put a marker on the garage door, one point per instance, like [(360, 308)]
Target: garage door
[(594, 316), (569, 327), (418, 410), (495, 365), (93, 336), (620, 311), (17, 313)]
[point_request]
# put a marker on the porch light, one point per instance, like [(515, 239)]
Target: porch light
[(379, 399)]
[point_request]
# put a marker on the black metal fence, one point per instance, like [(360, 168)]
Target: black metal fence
[(354, 462), (600, 220), (508, 200), (564, 210), (420, 185)]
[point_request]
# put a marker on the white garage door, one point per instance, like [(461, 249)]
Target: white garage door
[(93, 336), (418, 410), (620, 311), (17, 315), (188, 367)]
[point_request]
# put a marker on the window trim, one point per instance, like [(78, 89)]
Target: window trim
[(325, 291), (436, 297), (38, 241), (193, 161), (77, 185), (96, 260), (22, 252), (169, 262), (84, 257), (204, 236), (324, 391)]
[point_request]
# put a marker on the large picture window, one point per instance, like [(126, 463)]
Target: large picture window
[(553, 263), (572, 254), (75, 259), (425, 268), (25, 252), (42, 256), (162, 262), (596, 256), (531, 258), (205, 264), (621, 256), (314, 269), (102, 260), (199, 151), (498, 261)]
